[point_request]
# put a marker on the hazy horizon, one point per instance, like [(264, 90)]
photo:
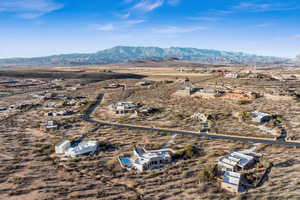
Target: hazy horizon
[(35, 28)]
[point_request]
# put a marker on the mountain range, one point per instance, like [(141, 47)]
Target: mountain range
[(120, 54)]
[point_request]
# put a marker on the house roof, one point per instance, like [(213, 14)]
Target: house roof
[(145, 156), (232, 178), (259, 115), (83, 147), (236, 158), (62, 143)]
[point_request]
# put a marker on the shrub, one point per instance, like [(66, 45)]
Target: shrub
[(244, 102), (188, 152), (208, 174)]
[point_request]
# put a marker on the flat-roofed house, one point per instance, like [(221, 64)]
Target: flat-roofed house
[(232, 182), (148, 160), (235, 161)]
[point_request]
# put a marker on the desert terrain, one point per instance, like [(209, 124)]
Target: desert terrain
[(30, 168)]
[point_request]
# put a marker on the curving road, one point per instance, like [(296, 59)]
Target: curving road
[(99, 99)]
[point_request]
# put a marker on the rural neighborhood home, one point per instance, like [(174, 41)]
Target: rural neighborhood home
[(236, 161), (65, 148), (201, 116), (188, 90), (148, 160), (112, 86), (143, 83), (260, 117), (123, 107), (232, 182), (186, 80), (50, 125), (231, 75), (205, 93)]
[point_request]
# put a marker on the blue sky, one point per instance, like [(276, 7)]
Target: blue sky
[(44, 27)]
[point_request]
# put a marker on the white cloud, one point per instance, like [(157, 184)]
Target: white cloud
[(106, 27), (264, 7), (203, 18), (133, 22), (255, 7), (174, 2), (29, 9), (176, 29), (148, 5)]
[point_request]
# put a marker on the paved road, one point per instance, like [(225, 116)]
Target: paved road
[(92, 107)]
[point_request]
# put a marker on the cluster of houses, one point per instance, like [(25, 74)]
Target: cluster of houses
[(230, 166), (143, 160), (69, 148)]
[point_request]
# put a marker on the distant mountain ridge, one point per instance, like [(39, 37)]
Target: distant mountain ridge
[(120, 54)]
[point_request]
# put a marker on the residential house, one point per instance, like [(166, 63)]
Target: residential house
[(188, 90), (123, 107), (201, 116), (186, 80), (260, 117), (236, 161), (51, 125), (83, 147), (232, 182), (205, 93), (143, 83), (112, 86), (66, 149), (149, 160), (231, 75)]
